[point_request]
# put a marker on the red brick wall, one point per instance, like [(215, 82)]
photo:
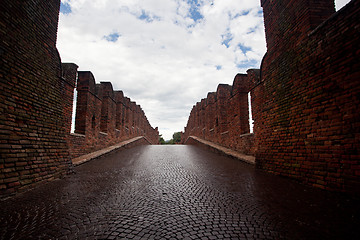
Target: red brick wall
[(69, 74), (105, 117), (36, 101), (292, 20), (311, 95), (305, 99), (120, 111), (76, 145), (223, 117), (32, 125)]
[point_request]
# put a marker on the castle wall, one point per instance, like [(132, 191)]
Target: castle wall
[(33, 144), (105, 117), (305, 98), (36, 101), (223, 117), (309, 111)]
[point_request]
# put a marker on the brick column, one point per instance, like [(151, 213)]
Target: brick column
[(69, 73), (241, 106), (288, 22), (211, 115), (223, 94)]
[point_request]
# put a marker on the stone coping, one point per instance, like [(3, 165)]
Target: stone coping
[(90, 156), (226, 151)]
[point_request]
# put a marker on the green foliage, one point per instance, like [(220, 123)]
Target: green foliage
[(161, 140), (175, 140), (177, 137)]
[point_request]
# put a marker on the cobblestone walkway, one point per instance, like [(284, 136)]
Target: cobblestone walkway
[(176, 192)]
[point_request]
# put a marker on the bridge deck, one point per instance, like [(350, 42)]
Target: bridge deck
[(179, 192)]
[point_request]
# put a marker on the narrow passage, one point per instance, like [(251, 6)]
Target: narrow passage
[(178, 192)]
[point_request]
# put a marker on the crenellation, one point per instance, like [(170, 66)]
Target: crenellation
[(106, 116), (239, 106), (119, 125), (223, 94), (36, 101), (69, 75), (304, 98)]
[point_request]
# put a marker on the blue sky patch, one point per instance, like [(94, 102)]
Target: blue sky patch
[(65, 8), (147, 17), (248, 64), (113, 37), (244, 49), (251, 30), (226, 39), (242, 13), (194, 12)]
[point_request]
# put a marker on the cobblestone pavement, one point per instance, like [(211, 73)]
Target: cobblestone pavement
[(176, 192)]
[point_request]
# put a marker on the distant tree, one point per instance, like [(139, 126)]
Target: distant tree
[(161, 140), (177, 137)]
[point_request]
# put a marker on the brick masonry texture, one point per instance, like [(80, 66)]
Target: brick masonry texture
[(305, 98), (223, 117), (105, 117), (36, 101), (32, 137)]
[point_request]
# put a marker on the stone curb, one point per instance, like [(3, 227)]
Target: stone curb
[(91, 156), (226, 151)]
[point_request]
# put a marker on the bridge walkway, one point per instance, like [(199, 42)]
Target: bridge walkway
[(176, 192)]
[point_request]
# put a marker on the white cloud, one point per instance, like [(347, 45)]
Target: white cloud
[(340, 3), (157, 54)]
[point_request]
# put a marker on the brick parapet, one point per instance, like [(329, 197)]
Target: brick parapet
[(316, 116), (220, 118), (120, 108), (108, 109), (133, 142), (33, 146), (292, 20), (105, 117), (36, 101), (87, 111), (69, 75), (305, 98)]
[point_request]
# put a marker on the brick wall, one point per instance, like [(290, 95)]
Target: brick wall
[(310, 99), (32, 137), (305, 98), (36, 101), (223, 117), (105, 117)]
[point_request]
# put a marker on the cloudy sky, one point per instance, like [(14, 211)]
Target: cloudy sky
[(164, 54)]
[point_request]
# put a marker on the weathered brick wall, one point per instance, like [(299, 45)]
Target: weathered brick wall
[(305, 99), (36, 101), (32, 126), (69, 74), (311, 94), (76, 144), (223, 117), (105, 117)]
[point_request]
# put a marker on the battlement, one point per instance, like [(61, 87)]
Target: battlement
[(37, 93), (104, 117), (304, 98), (288, 22)]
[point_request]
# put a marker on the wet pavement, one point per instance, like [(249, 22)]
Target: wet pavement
[(176, 192)]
